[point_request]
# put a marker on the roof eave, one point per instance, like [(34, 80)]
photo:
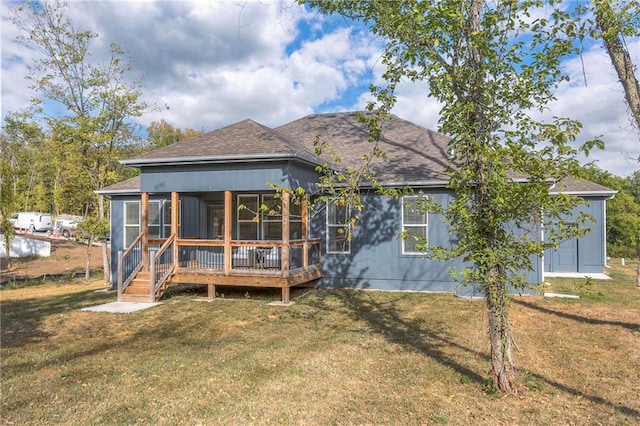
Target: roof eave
[(176, 161), (608, 194)]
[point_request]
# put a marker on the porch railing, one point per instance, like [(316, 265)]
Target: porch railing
[(247, 256), (129, 264), (161, 265)]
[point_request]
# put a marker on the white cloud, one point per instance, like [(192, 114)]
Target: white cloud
[(217, 62)]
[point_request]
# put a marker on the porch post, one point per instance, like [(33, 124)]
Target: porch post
[(285, 233), (144, 224), (175, 222), (228, 218), (305, 233)]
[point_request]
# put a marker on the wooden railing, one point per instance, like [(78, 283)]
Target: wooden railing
[(129, 264), (249, 256), (161, 265)]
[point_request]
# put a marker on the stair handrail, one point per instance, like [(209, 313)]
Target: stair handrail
[(162, 269), (123, 282)]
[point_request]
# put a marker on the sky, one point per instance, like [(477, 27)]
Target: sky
[(208, 64)]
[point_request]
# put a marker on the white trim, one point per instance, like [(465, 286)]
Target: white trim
[(403, 226), (346, 226), (124, 220)]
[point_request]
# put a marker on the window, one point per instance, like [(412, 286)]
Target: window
[(166, 218), (153, 225), (338, 240), (131, 221), (272, 219), (248, 217), (414, 224), (254, 223)]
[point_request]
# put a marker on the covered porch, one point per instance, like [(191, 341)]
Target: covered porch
[(149, 265)]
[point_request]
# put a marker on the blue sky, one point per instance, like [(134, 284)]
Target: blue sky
[(214, 63)]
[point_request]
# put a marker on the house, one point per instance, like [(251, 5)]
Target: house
[(194, 214)]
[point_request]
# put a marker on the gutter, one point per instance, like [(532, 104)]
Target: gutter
[(174, 161)]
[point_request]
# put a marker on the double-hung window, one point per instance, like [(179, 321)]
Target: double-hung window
[(338, 235), (131, 221), (415, 225)]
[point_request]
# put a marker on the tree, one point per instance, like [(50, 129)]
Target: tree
[(613, 26), (97, 102), (161, 133), (490, 65)]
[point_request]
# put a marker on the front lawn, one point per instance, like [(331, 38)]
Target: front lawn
[(334, 357)]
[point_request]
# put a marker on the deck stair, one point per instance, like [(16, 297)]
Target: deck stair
[(140, 289)]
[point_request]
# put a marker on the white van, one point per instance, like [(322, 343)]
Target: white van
[(32, 221)]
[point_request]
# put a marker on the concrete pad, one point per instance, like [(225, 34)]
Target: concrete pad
[(121, 307), (280, 303), (593, 276), (562, 295)]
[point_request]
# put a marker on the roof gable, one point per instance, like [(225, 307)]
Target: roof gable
[(414, 154), (246, 139)]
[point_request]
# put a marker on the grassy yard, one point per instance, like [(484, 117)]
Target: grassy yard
[(334, 357)]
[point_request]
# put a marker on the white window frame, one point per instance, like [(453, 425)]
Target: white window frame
[(337, 225), (126, 225), (406, 226)]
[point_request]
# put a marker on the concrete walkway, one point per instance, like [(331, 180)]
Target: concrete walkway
[(593, 276), (121, 307)]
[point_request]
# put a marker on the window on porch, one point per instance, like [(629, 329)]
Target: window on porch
[(260, 218), (159, 225)]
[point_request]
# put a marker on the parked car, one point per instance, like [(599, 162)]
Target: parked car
[(67, 226), (32, 221)]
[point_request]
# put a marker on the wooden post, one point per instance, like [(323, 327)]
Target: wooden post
[(211, 293), (305, 233), (286, 211), (175, 222), (228, 218), (144, 224), (119, 277), (285, 233)]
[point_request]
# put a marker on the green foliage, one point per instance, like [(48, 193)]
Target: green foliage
[(623, 211), (64, 158), (161, 133), (489, 64)]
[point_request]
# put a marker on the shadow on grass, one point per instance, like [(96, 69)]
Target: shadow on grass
[(627, 411), (22, 319), (574, 317), (385, 319)]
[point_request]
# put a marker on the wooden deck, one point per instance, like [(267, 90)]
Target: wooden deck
[(213, 263)]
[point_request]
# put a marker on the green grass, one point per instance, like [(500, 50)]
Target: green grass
[(334, 357)]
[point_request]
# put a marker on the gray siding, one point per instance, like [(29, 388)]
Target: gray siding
[(590, 249), (376, 260), (232, 177)]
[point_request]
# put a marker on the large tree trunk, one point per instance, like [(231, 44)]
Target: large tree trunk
[(620, 57), (503, 369)]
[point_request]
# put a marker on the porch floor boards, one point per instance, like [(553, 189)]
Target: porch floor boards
[(247, 278)]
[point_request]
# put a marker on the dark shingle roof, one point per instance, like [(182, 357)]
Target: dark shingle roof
[(571, 185), (130, 186), (245, 140), (414, 153)]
